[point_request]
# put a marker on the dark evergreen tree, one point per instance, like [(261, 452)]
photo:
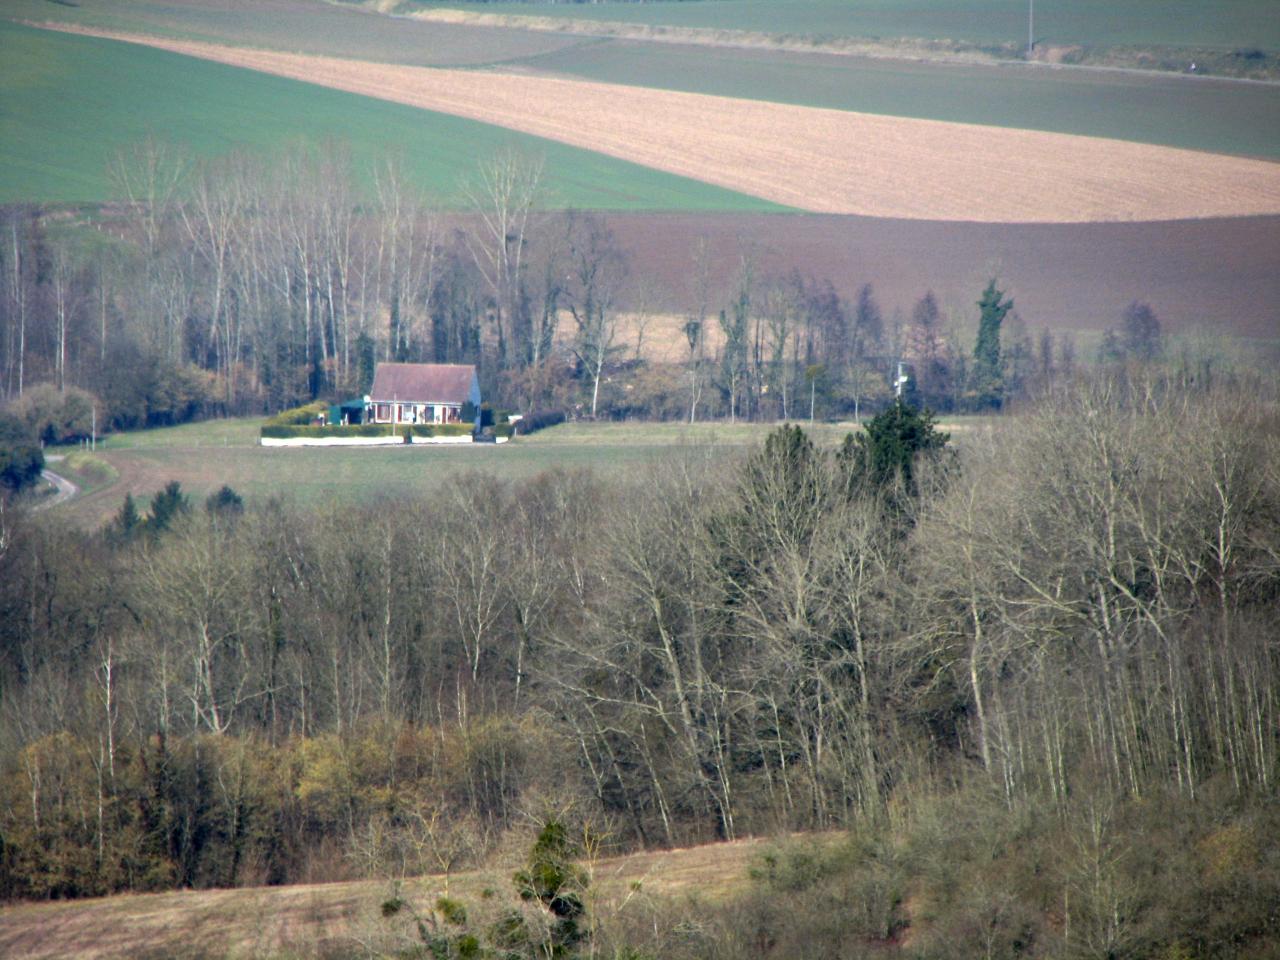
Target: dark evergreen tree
[(886, 452), (987, 380), (167, 505), (1140, 333), (128, 519), (225, 503), (367, 358)]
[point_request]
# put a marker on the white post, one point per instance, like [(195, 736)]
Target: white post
[(93, 430), (1031, 28)]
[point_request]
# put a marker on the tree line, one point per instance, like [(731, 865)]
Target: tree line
[(240, 285), (1075, 601)]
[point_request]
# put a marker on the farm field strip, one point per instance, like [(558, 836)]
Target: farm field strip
[(302, 26), (72, 103), (1194, 113), (1224, 23), (1204, 278), (814, 159)]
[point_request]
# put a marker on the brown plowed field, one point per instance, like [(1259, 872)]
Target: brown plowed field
[(827, 161), (1211, 277)]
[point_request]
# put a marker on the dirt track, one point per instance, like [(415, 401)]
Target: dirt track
[(819, 160)]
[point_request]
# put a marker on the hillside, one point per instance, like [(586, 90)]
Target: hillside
[(800, 156)]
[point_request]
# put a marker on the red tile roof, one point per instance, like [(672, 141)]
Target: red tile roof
[(422, 382)]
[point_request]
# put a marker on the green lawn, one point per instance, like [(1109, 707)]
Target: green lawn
[(71, 103), (1224, 24), (204, 456), (1171, 110)]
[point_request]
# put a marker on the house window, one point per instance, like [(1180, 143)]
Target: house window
[(384, 413)]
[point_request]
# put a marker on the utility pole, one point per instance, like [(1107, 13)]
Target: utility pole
[(1031, 28)]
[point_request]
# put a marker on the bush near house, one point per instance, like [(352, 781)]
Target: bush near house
[(539, 421), (299, 416), (441, 430)]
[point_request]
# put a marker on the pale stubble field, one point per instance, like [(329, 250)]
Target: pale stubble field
[(819, 160)]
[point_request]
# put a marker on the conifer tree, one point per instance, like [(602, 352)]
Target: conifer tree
[(988, 381), (885, 453)]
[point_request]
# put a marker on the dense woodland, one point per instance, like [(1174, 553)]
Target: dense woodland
[(1029, 672), (249, 285), (1046, 647)]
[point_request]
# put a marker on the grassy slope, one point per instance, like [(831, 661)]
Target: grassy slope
[(1197, 114), (292, 921), (71, 103), (1223, 23)]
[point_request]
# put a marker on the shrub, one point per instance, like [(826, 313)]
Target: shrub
[(149, 392), (57, 416), (226, 502), (539, 421), (298, 416), (21, 459)]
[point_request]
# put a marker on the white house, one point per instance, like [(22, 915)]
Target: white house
[(423, 393)]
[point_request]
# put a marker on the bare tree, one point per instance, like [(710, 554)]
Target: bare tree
[(503, 195), (598, 270)]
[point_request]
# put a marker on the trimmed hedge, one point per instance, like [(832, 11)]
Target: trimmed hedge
[(285, 431), (423, 430), (441, 430), (539, 421)]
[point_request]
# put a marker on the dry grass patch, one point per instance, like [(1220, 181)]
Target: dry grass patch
[(815, 159), (262, 921)]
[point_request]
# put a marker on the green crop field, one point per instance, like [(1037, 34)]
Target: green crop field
[(1197, 114), (300, 26), (71, 103), (1223, 24)]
